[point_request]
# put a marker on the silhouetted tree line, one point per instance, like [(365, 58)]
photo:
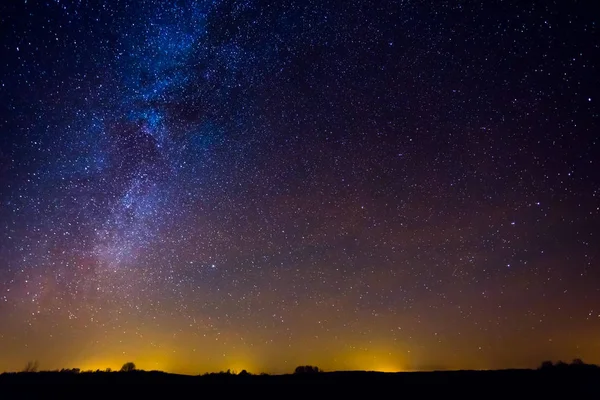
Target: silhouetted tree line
[(577, 372), (561, 365), (33, 367)]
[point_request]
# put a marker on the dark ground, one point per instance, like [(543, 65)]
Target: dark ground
[(585, 376)]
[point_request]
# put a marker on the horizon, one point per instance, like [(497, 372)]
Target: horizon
[(236, 368), (213, 185), (237, 372)]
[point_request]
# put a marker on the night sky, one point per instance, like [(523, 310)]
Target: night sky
[(386, 185)]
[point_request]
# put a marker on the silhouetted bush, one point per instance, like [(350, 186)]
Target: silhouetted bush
[(547, 365), (70, 370), (306, 369), (31, 366), (128, 367)]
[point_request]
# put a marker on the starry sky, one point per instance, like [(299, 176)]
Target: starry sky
[(198, 186)]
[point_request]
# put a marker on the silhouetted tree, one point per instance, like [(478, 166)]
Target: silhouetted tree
[(306, 369), (561, 364), (108, 370), (31, 366), (244, 373), (578, 362), (547, 365), (128, 367)]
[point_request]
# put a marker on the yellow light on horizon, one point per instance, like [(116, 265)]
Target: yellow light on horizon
[(376, 360), (386, 368)]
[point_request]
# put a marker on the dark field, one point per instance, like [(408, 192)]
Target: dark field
[(585, 376)]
